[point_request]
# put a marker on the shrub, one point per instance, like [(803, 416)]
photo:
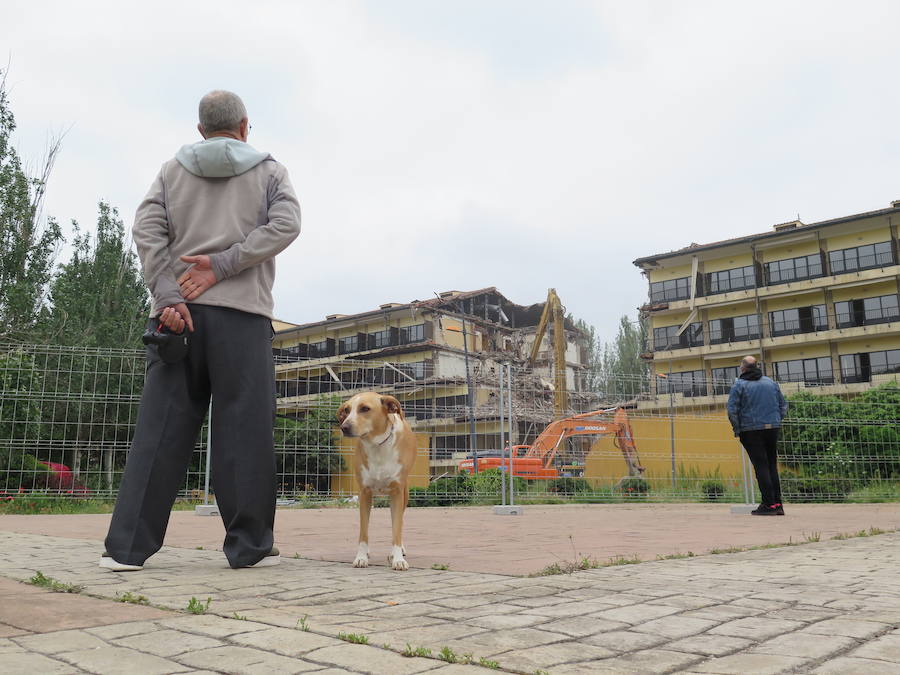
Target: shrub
[(568, 485), (634, 486), (713, 490), (443, 492), (486, 483), (823, 488)]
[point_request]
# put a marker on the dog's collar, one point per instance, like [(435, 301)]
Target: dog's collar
[(387, 437)]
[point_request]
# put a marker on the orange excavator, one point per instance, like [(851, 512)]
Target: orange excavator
[(536, 461)]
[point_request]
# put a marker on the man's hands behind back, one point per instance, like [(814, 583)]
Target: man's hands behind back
[(198, 278)]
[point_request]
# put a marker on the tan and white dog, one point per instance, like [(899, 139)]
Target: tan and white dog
[(385, 449)]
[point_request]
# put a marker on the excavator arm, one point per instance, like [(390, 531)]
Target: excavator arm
[(553, 312), (547, 444)]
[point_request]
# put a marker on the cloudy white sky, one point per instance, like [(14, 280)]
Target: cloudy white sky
[(459, 144)]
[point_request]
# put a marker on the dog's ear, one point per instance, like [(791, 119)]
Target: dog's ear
[(392, 405), (342, 413)]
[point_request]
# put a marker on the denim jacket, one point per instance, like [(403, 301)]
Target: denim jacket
[(755, 402)]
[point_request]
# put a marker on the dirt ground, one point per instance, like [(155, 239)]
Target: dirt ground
[(474, 539)]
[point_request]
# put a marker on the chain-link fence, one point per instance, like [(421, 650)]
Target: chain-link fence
[(67, 415)]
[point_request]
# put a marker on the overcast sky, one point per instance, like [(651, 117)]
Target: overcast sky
[(460, 144)]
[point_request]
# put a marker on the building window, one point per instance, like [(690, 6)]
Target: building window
[(794, 269), (348, 344), (381, 338), (667, 337), (445, 446), (861, 257), (689, 383), (412, 334), (723, 378), (880, 309), (798, 320), (415, 370), (317, 349), (730, 280), (673, 289), (810, 371), (861, 367), (734, 329)]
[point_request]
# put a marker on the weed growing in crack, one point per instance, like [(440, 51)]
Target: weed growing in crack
[(130, 597), (448, 655), (302, 625), (196, 606), (52, 584), (675, 556), (416, 651), (355, 638)]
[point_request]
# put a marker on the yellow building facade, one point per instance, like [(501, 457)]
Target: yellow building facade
[(816, 303)]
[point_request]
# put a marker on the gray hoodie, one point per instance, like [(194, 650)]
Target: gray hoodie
[(221, 198)]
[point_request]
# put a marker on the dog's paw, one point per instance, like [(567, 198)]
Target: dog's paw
[(361, 561), (399, 564)]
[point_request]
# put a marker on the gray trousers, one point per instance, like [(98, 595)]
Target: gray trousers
[(230, 358)]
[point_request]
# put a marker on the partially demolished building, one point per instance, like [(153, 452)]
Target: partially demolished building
[(418, 352)]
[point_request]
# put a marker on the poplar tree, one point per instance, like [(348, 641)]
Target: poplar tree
[(28, 244)]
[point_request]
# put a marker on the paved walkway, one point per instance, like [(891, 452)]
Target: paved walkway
[(829, 607), (472, 539)]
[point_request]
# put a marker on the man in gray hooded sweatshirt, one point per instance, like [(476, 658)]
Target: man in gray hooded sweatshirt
[(207, 234)]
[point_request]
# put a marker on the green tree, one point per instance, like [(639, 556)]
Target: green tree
[(28, 245), (21, 421), (622, 371), (853, 441), (98, 297), (306, 450)]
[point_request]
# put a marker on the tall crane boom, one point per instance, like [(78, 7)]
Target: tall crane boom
[(553, 313)]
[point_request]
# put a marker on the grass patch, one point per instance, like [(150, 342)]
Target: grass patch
[(133, 599), (448, 655), (676, 556), (411, 651), (196, 606), (486, 663), (36, 503), (302, 625), (355, 638), (589, 563), (440, 566), (584, 563), (239, 617), (52, 584)]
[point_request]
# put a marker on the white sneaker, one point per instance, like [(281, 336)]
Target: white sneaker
[(110, 563), (273, 558)]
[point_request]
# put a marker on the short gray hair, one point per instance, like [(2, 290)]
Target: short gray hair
[(748, 361), (221, 111)]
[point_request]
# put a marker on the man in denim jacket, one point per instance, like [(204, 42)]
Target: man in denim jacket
[(755, 410)]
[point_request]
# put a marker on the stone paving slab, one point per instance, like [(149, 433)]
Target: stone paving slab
[(826, 607)]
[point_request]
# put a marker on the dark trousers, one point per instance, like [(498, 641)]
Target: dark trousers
[(230, 359), (760, 446)]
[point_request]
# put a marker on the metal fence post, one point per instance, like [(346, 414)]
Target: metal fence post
[(507, 508), (512, 480), (502, 444), (207, 509)]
